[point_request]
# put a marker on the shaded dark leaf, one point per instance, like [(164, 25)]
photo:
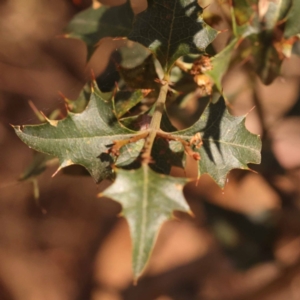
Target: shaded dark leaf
[(172, 28)]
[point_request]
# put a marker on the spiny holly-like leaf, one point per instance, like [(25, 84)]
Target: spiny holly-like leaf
[(172, 28), (148, 200), (125, 100), (93, 24), (227, 144), (220, 64), (78, 105), (292, 26), (81, 139)]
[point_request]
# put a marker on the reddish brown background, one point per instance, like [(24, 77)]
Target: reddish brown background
[(80, 249)]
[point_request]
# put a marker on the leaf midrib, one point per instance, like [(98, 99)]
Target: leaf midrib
[(218, 141), (144, 216), (76, 138), (171, 31)]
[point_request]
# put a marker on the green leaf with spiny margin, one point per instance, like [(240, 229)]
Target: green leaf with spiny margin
[(79, 105), (148, 200), (93, 24), (172, 28), (292, 26), (227, 144), (220, 64), (82, 138)]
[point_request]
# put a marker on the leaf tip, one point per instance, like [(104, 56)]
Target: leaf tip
[(253, 171), (56, 172), (191, 213), (68, 103), (93, 77), (222, 31), (51, 122), (63, 96), (96, 4), (63, 36), (250, 110), (64, 164), (135, 281), (205, 7), (36, 111), (17, 128)]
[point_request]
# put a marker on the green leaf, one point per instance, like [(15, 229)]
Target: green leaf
[(93, 24), (292, 26), (227, 144), (261, 34), (141, 77), (172, 28), (296, 48), (137, 67), (125, 100), (276, 12), (265, 33), (148, 200), (78, 105), (220, 64), (167, 154), (245, 18), (244, 10), (266, 61), (82, 138)]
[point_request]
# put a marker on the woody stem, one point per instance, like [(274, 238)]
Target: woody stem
[(155, 121)]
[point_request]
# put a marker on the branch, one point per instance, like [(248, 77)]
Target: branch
[(155, 122)]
